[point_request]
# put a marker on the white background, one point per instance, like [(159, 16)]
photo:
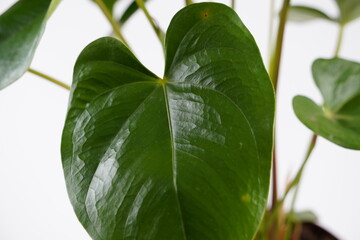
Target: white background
[(33, 199)]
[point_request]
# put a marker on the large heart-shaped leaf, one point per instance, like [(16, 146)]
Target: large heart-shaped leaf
[(186, 156), (349, 10), (338, 120), (21, 28)]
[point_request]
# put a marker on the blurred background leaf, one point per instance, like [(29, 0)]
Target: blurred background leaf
[(338, 120), (21, 28), (130, 10), (299, 13)]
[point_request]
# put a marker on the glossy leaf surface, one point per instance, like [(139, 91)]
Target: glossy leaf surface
[(186, 156), (21, 28), (339, 119), (349, 10), (304, 14), (130, 10)]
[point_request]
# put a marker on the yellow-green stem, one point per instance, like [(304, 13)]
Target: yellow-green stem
[(296, 181), (188, 2), (114, 24), (233, 4), (339, 40), (271, 29), (53, 80), (276, 55), (159, 33), (295, 184), (274, 75), (274, 68)]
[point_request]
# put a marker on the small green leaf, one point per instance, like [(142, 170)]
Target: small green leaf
[(21, 28), (130, 10), (110, 4), (305, 13), (301, 217), (349, 10), (339, 119), (186, 156), (338, 81)]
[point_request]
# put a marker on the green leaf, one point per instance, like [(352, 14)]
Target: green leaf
[(186, 156), (130, 10), (338, 81), (21, 28), (303, 216), (349, 10), (110, 4), (305, 14), (339, 119)]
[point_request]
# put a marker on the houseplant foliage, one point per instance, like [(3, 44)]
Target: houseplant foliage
[(186, 155), (21, 29), (338, 119), (349, 10)]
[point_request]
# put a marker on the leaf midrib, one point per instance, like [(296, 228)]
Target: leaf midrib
[(173, 160), (228, 98), (172, 141)]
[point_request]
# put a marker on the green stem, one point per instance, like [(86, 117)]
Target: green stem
[(114, 24), (339, 40), (53, 80), (276, 55), (274, 181), (295, 184), (312, 144), (271, 225), (188, 2), (159, 33), (296, 181), (233, 4), (271, 27), (274, 74)]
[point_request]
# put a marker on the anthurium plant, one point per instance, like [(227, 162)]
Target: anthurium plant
[(189, 154)]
